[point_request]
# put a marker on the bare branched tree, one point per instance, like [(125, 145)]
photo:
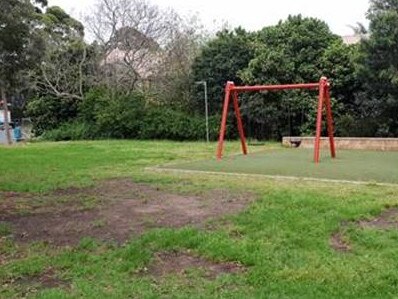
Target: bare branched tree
[(174, 74), (60, 72), (132, 34)]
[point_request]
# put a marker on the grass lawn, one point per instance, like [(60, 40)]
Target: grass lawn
[(367, 166), (292, 240)]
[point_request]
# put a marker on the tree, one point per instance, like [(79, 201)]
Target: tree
[(60, 73), (378, 70), (131, 35), (219, 61), (20, 46), (173, 79), (61, 78), (290, 51), (339, 64), (297, 50)]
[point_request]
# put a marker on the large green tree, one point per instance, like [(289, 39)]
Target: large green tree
[(220, 61), (378, 70), (20, 46), (297, 50), (61, 78)]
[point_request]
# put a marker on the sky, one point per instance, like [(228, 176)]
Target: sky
[(251, 14)]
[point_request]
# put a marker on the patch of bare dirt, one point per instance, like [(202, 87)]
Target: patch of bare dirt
[(388, 219), (338, 243), (179, 263), (45, 280), (15, 203), (12, 201), (125, 208)]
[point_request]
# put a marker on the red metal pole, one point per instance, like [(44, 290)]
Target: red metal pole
[(317, 144), (224, 119), (329, 117), (324, 98), (276, 87), (239, 121)]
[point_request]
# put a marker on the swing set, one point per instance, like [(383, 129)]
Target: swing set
[(323, 102)]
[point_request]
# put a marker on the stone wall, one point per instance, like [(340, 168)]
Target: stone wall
[(382, 144)]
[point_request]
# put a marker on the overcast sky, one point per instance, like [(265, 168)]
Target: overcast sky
[(252, 14)]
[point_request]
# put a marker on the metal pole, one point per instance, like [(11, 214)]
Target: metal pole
[(276, 87), (239, 122), (6, 120), (329, 116), (207, 113), (206, 109), (317, 144), (224, 119)]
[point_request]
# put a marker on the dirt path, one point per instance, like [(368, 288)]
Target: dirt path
[(114, 210)]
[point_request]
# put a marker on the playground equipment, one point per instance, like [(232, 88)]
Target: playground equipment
[(323, 102)]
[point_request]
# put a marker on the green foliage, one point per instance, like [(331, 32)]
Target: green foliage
[(294, 51), (338, 63), (220, 61), (61, 25), (290, 52), (20, 45), (49, 73), (119, 116), (163, 123), (378, 70), (71, 131), (381, 6), (354, 125), (44, 56), (49, 112), (41, 57), (103, 114), (297, 50), (63, 70)]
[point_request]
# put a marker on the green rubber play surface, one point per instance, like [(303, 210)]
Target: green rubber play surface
[(368, 166)]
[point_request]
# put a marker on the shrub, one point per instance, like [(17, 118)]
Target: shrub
[(114, 115), (48, 112), (120, 116), (165, 123), (71, 131), (103, 114)]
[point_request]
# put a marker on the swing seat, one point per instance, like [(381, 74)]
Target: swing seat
[(295, 142)]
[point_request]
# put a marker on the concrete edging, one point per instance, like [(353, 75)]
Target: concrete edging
[(356, 143), (272, 177)]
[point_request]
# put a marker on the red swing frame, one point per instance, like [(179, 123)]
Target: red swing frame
[(323, 101)]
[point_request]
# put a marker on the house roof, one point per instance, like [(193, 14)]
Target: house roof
[(128, 37), (353, 39)]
